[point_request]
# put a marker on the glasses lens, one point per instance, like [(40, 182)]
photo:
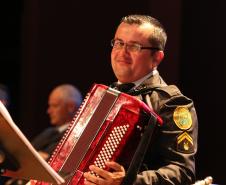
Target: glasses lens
[(133, 47)]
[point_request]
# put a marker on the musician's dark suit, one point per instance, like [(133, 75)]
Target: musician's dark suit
[(170, 159), (47, 140)]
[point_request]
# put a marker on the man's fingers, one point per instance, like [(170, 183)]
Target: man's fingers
[(91, 179), (115, 166), (103, 173), (105, 177)]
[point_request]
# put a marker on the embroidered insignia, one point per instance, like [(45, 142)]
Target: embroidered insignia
[(182, 118), (185, 143)]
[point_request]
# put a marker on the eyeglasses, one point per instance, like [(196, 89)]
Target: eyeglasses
[(132, 47)]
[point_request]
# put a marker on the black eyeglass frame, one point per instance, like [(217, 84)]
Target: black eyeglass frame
[(140, 46)]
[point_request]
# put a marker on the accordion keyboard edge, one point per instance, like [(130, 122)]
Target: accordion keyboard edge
[(108, 126)]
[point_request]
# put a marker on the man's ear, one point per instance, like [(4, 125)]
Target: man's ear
[(158, 57)]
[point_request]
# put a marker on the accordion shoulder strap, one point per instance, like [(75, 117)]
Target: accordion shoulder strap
[(140, 152)]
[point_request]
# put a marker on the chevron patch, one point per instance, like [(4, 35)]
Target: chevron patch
[(185, 143)]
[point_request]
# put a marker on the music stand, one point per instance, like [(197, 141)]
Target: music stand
[(19, 158)]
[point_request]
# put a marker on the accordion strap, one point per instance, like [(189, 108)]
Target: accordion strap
[(140, 152)]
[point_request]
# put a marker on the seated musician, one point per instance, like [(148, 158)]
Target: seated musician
[(64, 100), (137, 50)]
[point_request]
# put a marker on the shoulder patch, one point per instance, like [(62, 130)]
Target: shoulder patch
[(182, 118)]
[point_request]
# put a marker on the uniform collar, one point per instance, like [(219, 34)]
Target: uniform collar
[(141, 80)]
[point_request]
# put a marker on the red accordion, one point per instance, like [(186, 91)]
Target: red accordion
[(108, 126)]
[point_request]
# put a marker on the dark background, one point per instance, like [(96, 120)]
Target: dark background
[(45, 43)]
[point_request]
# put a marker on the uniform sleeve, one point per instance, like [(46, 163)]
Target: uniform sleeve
[(176, 144)]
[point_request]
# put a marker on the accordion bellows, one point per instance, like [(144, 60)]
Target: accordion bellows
[(108, 126)]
